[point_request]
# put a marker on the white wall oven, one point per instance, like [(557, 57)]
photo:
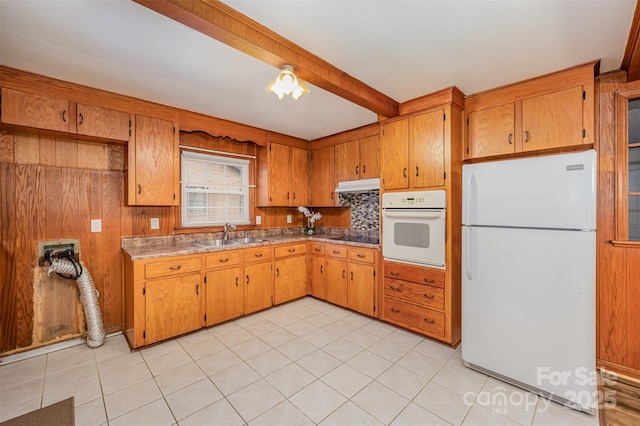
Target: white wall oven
[(413, 227)]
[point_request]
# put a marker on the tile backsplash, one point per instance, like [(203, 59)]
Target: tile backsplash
[(365, 209)]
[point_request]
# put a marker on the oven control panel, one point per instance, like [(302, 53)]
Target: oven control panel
[(415, 199)]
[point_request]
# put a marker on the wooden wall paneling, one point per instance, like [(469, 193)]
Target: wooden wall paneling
[(47, 151), (96, 240), (6, 147), (141, 221), (612, 300), (116, 160), (8, 288), (66, 153), (27, 148), (633, 307), (53, 207), (93, 156)]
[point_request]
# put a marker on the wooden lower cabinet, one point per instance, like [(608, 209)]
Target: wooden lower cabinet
[(316, 270), (414, 297), (258, 279), (361, 291), (172, 306), (225, 289), (290, 272)]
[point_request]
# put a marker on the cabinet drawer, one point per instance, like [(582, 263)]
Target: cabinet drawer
[(221, 259), (290, 250), (425, 295), (413, 273), (423, 319), (335, 250), (362, 255), (316, 248), (176, 266), (257, 254)]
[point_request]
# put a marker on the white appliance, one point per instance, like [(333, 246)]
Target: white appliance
[(413, 227), (528, 287)]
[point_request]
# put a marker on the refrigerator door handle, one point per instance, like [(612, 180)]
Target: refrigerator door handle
[(470, 200), (468, 256)]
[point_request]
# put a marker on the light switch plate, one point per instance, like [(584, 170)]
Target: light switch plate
[(289, 219), (96, 225), (155, 223), (258, 220)]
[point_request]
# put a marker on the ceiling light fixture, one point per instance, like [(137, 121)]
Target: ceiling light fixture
[(287, 83)]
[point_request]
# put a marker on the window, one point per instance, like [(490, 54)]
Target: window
[(628, 166), (633, 169), (215, 190)]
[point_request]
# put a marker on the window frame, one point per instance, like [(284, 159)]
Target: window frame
[(245, 162)]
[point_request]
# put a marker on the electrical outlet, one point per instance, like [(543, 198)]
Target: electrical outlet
[(289, 218), (155, 223), (96, 225), (258, 220)]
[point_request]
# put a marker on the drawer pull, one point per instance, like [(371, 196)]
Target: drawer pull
[(428, 321), (429, 296), (277, 272), (394, 288), (336, 251), (351, 275), (343, 274), (317, 249), (291, 250), (429, 281), (258, 255), (247, 279), (395, 274), (395, 311), (321, 269), (236, 281), (197, 289), (360, 255), (226, 259), (175, 268)]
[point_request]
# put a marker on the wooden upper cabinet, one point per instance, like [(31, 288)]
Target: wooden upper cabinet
[(102, 122), (323, 184), (427, 149), (394, 151), (491, 131), (358, 159), (37, 111), (553, 120), (348, 161), (370, 157), (283, 175), (551, 112), (44, 112), (151, 167), (299, 176)]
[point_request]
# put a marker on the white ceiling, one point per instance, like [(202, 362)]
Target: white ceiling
[(404, 49)]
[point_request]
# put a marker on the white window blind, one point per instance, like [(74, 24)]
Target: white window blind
[(215, 190)]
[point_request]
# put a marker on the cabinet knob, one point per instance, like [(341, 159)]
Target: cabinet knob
[(360, 255), (277, 272), (64, 116), (429, 296), (395, 311), (321, 269), (395, 274), (344, 274), (317, 249), (429, 281), (294, 195), (417, 171), (139, 188), (364, 168), (394, 288), (351, 275), (428, 321), (226, 259), (175, 268), (258, 255), (80, 118), (357, 170), (332, 195), (336, 251), (510, 139), (404, 172), (197, 288), (247, 279), (237, 279), (291, 250), (527, 136)]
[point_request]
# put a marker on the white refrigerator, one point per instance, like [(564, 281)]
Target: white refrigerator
[(528, 288)]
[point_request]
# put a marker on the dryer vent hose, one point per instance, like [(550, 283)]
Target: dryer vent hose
[(88, 297)]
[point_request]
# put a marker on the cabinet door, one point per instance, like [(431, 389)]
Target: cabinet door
[(370, 157), (316, 276), (347, 161), (394, 153), (299, 177), (323, 185), (258, 281), (553, 120), (154, 155), (427, 150), (39, 111), (172, 306), (336, 281), (290, 279), (491, 131), (225, 297), (361, 288), (279, 175), (103, 122)]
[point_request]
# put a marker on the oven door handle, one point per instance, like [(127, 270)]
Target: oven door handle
[(413, 214)]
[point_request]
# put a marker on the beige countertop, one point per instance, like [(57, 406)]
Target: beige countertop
[(158, 247)]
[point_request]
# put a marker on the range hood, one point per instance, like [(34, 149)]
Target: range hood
[(362, 185)]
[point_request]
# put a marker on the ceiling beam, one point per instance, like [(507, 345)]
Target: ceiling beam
[(227, 25)]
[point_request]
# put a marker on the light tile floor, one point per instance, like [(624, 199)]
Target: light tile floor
[(303, 363)]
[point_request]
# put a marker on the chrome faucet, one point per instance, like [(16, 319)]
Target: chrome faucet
[(227, 227)]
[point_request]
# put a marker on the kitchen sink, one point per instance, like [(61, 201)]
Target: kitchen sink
[(246, 240), (231, 241), (215, 243)]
